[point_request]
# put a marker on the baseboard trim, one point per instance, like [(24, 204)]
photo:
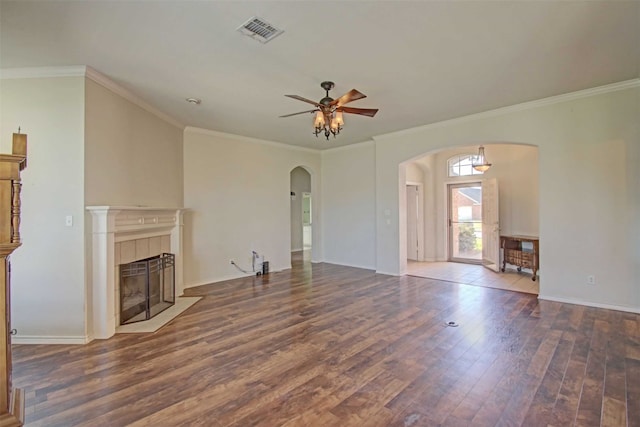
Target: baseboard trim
[(233, 277), (364, 267), (635, 310), (34, 339), (388, 274)]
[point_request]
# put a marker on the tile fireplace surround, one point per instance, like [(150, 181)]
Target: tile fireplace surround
[(122, 234)]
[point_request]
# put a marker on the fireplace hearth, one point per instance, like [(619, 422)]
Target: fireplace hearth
[(147, 287)]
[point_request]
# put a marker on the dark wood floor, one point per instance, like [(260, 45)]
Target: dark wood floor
[(337, 346)]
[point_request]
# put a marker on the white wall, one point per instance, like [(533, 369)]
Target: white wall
[(300, 183), (238, 193), (47, 289), (349, 205), (589, 149), (132, 157)]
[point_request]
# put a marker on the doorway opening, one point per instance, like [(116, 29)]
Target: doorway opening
[(301, 215), (465, 222), (306, 221), (465, 213)]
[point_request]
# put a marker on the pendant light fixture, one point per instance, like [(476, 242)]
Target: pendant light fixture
[(480, 162)]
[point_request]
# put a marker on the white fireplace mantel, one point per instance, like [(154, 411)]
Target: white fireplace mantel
[(116, 224)]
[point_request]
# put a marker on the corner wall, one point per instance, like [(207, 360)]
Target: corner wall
[(237, 191), (132, 157)]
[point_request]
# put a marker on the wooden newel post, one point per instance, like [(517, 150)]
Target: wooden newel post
[(11, 400)]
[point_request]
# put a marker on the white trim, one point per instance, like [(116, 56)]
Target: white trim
[(112, 224), (390, 274), (590, 304), (234, 277), (35, 339), (43, 72), (296, 250), (627, 84), (372, 268), (218, 134), (90, 73)]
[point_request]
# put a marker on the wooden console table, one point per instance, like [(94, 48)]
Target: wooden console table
[(515, 254), (11, 400)]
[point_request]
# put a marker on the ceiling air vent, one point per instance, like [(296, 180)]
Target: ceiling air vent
[(260, 30)]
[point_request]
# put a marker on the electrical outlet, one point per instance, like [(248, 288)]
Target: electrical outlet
[(591, 280)]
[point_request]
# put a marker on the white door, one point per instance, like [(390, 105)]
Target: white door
[(490, 225), (412, 222)]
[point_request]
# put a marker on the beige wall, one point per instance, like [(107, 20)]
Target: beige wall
[(48, 276), (238, 194), (132, 157), (349, 210)]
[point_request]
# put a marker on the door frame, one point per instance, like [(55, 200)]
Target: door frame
[(447, 208), (420, 224)]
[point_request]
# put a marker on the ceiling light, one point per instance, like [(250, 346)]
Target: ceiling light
[(480, 162)]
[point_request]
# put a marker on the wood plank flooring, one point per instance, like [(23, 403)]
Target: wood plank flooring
[(327, 345)]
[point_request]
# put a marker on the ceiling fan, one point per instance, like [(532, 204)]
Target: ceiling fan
[(329, 111)]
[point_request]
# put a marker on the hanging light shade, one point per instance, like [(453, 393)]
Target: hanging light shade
[(319, 121), (480, 162)]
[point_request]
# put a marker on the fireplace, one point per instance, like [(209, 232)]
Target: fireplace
[(147, 287), (121, 235)]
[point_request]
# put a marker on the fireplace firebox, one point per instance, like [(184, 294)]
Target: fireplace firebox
[(147, 287)]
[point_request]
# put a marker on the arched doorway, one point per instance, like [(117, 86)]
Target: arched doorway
[(443, 176), (301, 214)]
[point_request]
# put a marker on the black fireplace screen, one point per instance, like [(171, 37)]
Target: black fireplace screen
[(147, 287)]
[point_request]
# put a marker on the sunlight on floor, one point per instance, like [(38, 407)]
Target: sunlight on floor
[(477, 275)]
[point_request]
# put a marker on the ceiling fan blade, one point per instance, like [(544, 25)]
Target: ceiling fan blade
[(370, 112), (352, 95), (299, 98), (301, 112)]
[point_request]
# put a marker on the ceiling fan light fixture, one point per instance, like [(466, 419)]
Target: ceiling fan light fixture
[(319, 120), (328, 119), (335, 127), (480, 162)]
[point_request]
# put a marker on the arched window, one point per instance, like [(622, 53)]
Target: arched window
[(460, 165)]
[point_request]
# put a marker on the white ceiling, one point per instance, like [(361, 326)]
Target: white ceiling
[(419, 62)]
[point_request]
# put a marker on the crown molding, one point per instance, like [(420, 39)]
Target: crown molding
[(109, 84), (557, 99), (92, 74), (42, 72), (218, 134)]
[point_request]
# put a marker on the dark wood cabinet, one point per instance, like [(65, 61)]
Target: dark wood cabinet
[(11, 399), (521, 251)]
